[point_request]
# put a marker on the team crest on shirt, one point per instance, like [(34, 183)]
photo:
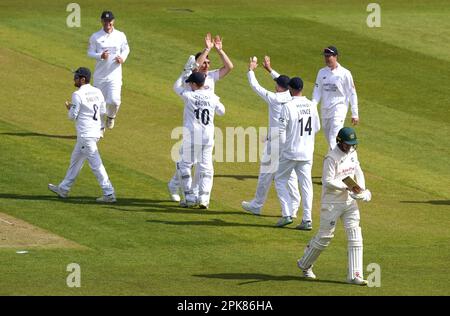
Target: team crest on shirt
[(353, 159), (324, 77)]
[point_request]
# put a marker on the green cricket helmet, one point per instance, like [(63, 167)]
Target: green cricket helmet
[(347, 135)]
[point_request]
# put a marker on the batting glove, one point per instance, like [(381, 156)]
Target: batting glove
[(191, 64), (365, 196)]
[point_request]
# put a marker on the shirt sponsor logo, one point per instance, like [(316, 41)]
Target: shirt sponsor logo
[(330, 87)]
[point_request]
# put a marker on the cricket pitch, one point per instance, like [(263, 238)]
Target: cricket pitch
[(16, 233)]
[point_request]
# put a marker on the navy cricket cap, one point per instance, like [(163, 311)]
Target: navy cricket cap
[(330, 50), (83, 72), (282, 81), (296, 83), (197, 77), (107, 15)]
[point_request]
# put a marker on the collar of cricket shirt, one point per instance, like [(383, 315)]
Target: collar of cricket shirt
[(108, 34), (335, 69)]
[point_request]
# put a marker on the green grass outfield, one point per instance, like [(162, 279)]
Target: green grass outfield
[(146, 245)]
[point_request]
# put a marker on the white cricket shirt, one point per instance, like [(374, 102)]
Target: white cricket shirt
[(336, 166), (88, 105), (210, 80), (335, 89), (117, 45), (200, 106), (275, 100), (299, 123)]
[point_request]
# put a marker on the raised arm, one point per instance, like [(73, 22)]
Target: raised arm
[(263, 93), (178, 85), (208, 46), (227, 64), (267, 66)]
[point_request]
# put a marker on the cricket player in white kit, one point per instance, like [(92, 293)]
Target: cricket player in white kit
[(201, 63), (275, 101), (86, 109), (110, 48), (334, 88), (339, 201), (299, 123), (200, 106)]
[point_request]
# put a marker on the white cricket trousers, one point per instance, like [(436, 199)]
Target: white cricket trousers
[(329, 215), (201, 156), (175, 182), (266, 176), (86, 148), (331, 127), (111, 90), (303, 171)]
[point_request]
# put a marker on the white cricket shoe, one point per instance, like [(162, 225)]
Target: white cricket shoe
[(55, 189), (285, 220), (307, 273), (304, 225), (174, 193), (204, 206), (358, 281), (191, 200), (250, 208), (111, 198), (203, 203), (109, 122), (102, 132)]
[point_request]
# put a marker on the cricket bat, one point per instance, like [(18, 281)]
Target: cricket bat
[(351, 183)]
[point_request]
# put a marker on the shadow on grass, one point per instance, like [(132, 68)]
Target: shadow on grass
[(315, 180), (175, 209), (87, 200), (236, 176), (433, 202), (216, 222), (148, 205), (31, 134), (261, 277)]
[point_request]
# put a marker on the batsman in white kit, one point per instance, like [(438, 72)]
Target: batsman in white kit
[(334, 88), (201, 63), (299, 123), (87, 109), (270, 159), (109, 47), (339, 201), (200, 106)]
